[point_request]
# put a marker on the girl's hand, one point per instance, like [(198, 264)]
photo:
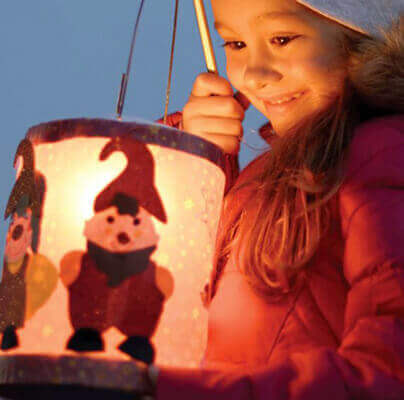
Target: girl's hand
[(214, 113)]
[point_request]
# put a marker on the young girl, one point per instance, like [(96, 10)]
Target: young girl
[(306, 299)]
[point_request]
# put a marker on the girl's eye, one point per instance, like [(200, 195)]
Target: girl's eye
[(110, 219), (234, 45), (136, 221), (282, 40)]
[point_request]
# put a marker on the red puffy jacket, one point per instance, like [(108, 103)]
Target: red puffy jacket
[(341, 336)]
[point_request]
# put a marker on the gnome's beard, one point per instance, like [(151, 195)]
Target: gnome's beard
[(119, 266)]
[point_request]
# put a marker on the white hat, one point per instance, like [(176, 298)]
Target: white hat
[(365, 16)]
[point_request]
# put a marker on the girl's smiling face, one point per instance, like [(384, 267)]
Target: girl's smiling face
[(284, 57)]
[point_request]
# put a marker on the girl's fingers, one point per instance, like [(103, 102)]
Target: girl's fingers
[(214, 113), (207, 84), (220, 106), (215, 125), (223, 132)]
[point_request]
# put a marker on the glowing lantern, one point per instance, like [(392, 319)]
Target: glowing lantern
[(111, 239), (110, 243)]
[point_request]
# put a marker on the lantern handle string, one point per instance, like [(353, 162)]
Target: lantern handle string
[(170, 70), (125, 76)]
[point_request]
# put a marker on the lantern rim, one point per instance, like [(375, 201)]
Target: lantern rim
[(87, 371), (147, 132)]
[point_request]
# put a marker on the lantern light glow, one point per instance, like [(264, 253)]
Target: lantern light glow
[(112, 229), (122, 244)]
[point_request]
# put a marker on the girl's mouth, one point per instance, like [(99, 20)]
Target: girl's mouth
[(283, 104)]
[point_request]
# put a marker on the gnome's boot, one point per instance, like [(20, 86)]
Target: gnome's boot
[(86, 339), (139, 348), (10, 338)]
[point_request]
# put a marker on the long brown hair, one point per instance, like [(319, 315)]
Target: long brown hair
[(278, 229)]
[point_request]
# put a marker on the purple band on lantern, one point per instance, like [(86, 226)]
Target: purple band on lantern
[(152, 133)]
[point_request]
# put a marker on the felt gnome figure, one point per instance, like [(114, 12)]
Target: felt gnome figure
[(114, 283), (29, 278)]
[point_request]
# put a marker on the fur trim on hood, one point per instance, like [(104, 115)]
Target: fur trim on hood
[(376, 70)]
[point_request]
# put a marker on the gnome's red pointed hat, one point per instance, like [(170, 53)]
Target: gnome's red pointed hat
[(137, 180)]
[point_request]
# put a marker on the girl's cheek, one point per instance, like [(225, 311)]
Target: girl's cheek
[(325, 58), (330, 75), (235, 73)]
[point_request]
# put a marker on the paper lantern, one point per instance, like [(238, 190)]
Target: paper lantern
[(110, 243)]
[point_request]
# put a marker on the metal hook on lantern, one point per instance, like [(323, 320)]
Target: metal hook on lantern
[(206, 44), (125, 76)]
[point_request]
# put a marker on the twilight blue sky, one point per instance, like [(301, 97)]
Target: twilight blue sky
[(64, 59)]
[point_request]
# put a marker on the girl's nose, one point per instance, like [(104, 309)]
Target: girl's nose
[(259, 73)]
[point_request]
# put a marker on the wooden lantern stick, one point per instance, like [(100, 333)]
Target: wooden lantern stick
[(205, 36), (208, 48)]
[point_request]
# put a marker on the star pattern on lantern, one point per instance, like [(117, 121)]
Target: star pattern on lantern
[(164, 258), (209, 205), (189, 204), (47, 330), (154, 129), (195, 313)]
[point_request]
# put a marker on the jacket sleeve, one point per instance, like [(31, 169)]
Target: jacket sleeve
[(232, 168), (369, 363)]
